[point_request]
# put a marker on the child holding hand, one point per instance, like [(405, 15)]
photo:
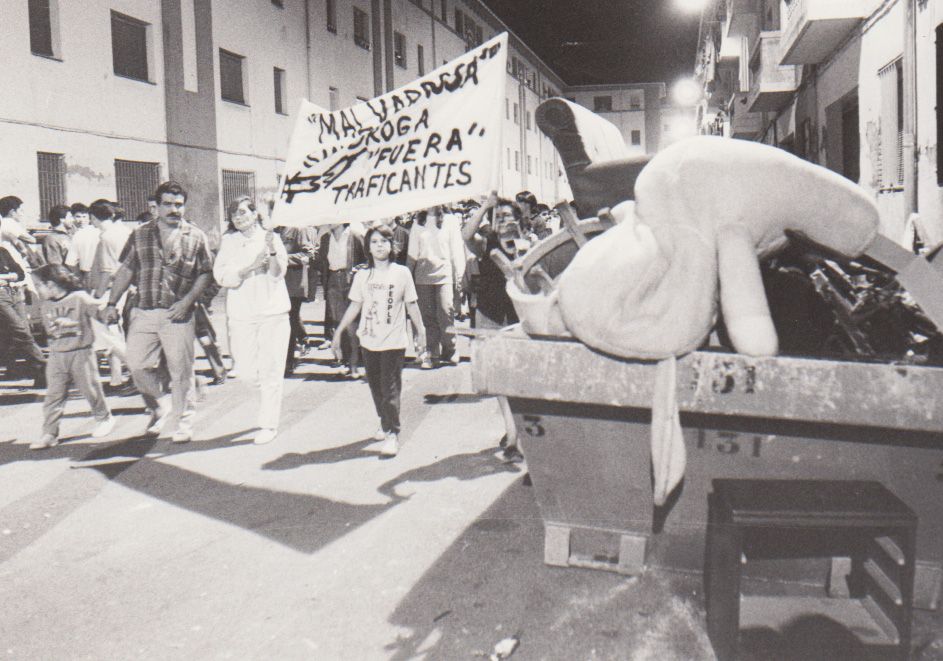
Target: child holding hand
[(67, 312)]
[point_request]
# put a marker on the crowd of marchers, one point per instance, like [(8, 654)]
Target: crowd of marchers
[(137, 292)]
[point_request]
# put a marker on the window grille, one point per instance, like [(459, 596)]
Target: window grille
[(236, 184), (51, 168), (134, 182), (129, 46)]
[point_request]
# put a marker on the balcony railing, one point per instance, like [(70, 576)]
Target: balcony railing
[(771, 84), (815, 28)]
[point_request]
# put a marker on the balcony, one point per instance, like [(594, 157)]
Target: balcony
[(771, 84), (741, 16), (743, 123), (815, 28)]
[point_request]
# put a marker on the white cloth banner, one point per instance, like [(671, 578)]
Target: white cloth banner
[(433, 141)]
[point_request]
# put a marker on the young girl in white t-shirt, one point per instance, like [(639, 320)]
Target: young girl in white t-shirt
[(383, 295)]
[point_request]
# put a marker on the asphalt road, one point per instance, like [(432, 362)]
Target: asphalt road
[(311, 547)]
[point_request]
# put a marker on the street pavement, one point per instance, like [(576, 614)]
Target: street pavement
[(312, 547)]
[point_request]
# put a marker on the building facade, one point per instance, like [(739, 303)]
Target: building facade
[(106, 98), (853, 85)]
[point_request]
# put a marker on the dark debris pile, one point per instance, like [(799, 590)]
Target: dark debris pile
[(824, 305)]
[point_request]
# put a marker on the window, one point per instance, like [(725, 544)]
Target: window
[(602, 103), (278, 3), (280, 95), (528, 120), (334, 97), (399, 49), (420, 60), (635, 103), (528, 165), (41, 17), (236, 184), (331, 9), (51, 168), (517, 160), (230, 77), (517, 113), (892, 125), (129, 46), (509, 158), (361, 28), (135, 180), (507, 108), (636, 137), (443, 5), (459, 22)]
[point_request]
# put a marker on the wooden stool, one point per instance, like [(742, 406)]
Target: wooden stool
[(850, 510)]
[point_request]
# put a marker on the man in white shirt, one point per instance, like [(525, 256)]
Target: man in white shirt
[(436, 255), (113, 235), (81, 257)]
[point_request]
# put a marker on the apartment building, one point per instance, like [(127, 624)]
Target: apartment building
[(853, 85), (106, 98)]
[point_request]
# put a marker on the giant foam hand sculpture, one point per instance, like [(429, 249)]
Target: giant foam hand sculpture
[(706, 209)]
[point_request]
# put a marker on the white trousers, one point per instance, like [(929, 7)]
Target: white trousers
[(260, 347)]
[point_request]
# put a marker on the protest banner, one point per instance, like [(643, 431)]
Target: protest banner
[(433, 141)]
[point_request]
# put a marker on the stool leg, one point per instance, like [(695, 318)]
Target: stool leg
[(722, 588), (908, 537)]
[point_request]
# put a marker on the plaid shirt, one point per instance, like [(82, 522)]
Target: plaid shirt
[(164, 274)]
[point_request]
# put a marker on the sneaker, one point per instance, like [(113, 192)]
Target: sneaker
[(182, 436), (47, 441), (447, 357), (511, 455), (157, 422), (391, 446), (362, 373), (264, 435), (379, 435), (426, 363), (324, 344), (104, 427)]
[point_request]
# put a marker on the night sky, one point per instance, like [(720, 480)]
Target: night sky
[(606, 41)]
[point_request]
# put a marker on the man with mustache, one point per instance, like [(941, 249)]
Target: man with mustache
[(168, 260)]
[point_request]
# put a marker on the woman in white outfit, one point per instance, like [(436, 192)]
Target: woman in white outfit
[(251, 263)]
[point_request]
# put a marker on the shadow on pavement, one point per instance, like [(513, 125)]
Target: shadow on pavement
[(469, 466), (492, 583), (453, 398), (335, 455)]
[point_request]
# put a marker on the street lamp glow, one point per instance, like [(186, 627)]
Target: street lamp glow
[(686, 92), (692, 6)]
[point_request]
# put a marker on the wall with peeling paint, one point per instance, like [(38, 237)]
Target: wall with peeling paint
[(74, 104)]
